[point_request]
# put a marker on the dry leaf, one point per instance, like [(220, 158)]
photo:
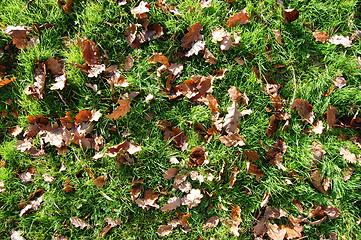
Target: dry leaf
[(231, 120), (135, 191), (193, 198), (241, 18), (209, 57), (205, 3), (100, 181), (112, 222), (275, 154), (339, 82), (347, 155), (275, 232), (192, 36), (66, 5), (198, 156), (233, 139), (121, 110), (2, 186), (317, 180), (35, 204), (347, 172), (159, 58), (79, 223), (48, 178), (290, 15), (304, 110), (142, 8), (233, 177), (274, 213), (318, 127), (149, 200), (37, 89), (196, 47), (19, 35), (16, 235), (164, 230), (172, 204), (211, 222), (320, 36), (181, 182), (278, 36), (340, 40), (170, 173), (265, 198), (129, 62), (251, 155), (331, 116), (318, 151), (6, 81), (27, 176), (67, 187), (253, 169)]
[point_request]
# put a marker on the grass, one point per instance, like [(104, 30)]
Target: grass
[(310, 68)]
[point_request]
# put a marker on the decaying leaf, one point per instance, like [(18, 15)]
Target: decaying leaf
[(340, 40), (27, 176), (19, 35), (198, 156), (233, 177), (192, 36), (304, 110), (174, 134), (320, 36), (159, 58), (129, 62), (318, 127), (164, 230), (135, 191), (211, 222), (48, 178), (112, 222), (209, 57), (251, 155), (66, 5), (142, 8), (253, 169), (275, 232), (290, 15), (196, 48), (149, 200), (100, 181), (36, 90), (67, 187), (205, 3), (79, 223), (274, 213), (240, 18), (2, 186), (35, 204), (347, 155), (317, 151), (233, 139), (275, 154), (278, 35), (168, 8), (57, 71), (121, 110), (172, 204), (170, 173), (16, 235), (193, 198), (331, 116), (317, 181), (339, 81)]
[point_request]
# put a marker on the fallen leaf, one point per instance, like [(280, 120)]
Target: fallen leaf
[(211, 222), (193, 198), (320, 36), (48, 178), (241, 18), (275, 154), (19, 35), (159, 58), (35, 204), (66, 5), (125, 146), (121, 110), (6, 81), (27, 176), (231, 120), (290, 15), (143, 7), (233, 139), (331, 116), (2, 186), (181, 182), (149, 200), (129, 62), (317, 180), (172, 204), (168, 8), (347, 155), (67, 187), (196, 47), (304, 110), (112, 222), (275, 232), (278, 35), (164, 230), (233, 177), (317, 151), (236, 220), (135, 191), (318, 127), (347, 172), (36, 90), (235, 94), (253, 169), (100, 181), (198, 156), (340, 40), (205, 3), (79, 223), (274, 213), (170, 173), (251, 155), (16, 235), (265, 198), (272, 126), (192, 36), (339, 81), (209, 57)]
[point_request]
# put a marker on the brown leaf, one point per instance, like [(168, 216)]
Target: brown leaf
[(198, 156), (66, 5), (149, 200), (67, 187), (241, 18), (274, 213), (192, 199), (196, 48), (181, 182), (172, 204), (318, 127), (211, 222), (164, 230), (275, 232), (233, 177), (272, 126), (6, 81), (316, 180), (90, 52), (278, 36), (79, 223), (304, 110), (121, 110), (168, 8), (260, 228), (233, 139), (218, 34), (112, 222), (125, 146), (235, 94), (35, 204), (142, 8), (135, 191), (265, 199), (317, 151), (331, 116), (290, 15), (231, 120), (192, 36), (275, 154), (170, 173), (37, 89), (129, 62), (19, 35), (211, 101), (253, 169), (320, 36), (347, 155), (251, 155), (339, 81), (159, 58), (347, 172), (340, 40), (100, 182), (209, 57)]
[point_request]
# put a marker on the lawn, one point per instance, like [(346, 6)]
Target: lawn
[(180, 119)]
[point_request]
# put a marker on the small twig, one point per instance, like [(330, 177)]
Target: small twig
[(61, 98)]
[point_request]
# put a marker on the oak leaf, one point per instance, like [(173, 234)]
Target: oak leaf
[(79, 223), (36, 90), (304, 110), (121, 110), (320, 36), (192, 36), (241, 18)]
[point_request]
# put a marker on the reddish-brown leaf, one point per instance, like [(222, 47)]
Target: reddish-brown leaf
[(121, 110), (172, 204), (275, 154), (192, 36), (211, 222), (129, 62), (290, 15), (19, 35), (91, 52), (331, 116), (233, 177), (272, 126), (239, 18), (159, 58), (251, 155), (320, 36), (317, 180), (170, 173), (125, 146), (278, 35), (112, 222), (66, 5), (149, 200), (253, 169), (198, 156), (209, 57), (67, 187), (100, 181), (232, 139), (304, 110), (135, 191)]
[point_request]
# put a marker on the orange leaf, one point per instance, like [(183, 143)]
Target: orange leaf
[(241, 18), (7, 81), (120, 111)]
